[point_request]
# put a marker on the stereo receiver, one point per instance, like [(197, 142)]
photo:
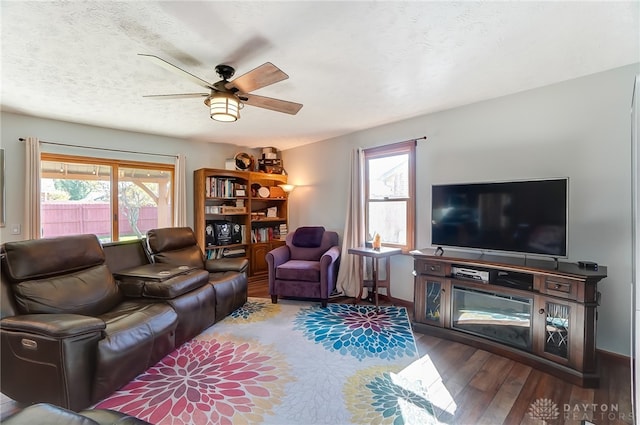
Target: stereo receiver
[(484, 276)]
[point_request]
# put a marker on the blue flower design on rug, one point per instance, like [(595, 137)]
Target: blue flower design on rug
[(386, 395), (359, 331), (254, 310), (382, 396)]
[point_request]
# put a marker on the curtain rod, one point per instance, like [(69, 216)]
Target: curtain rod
[(412, 140), (101, 149)]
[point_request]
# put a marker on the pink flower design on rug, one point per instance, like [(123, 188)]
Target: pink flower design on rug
[(206, 382)]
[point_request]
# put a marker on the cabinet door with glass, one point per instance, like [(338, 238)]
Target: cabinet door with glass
[(558, 333), (432, 300)]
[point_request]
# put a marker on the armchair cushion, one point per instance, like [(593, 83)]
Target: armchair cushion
[(311, 253), (308, 237), (308, 271)]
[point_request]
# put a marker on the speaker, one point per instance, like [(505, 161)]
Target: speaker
[(236, 233), (588, 265)]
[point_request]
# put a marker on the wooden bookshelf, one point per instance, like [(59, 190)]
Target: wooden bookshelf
[(265, 211)]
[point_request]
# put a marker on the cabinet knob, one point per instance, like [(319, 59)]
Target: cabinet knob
[(541, 311), (558, 286), (443, 290), (432, 268)]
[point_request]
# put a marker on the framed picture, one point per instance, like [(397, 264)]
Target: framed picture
[(241, 192)]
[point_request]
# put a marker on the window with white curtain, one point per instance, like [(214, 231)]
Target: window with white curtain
[(113, 199), (390, 194)]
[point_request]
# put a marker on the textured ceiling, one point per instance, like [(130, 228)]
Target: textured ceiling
[(354, 65)]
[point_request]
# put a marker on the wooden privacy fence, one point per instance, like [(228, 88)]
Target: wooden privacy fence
[(76, 218)]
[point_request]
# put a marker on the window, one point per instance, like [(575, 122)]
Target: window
[(390, 193), (115, 200)]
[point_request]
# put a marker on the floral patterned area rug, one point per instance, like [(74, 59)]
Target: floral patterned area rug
[(286, 363)]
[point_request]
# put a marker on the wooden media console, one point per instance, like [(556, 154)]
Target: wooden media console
[(541, 313)]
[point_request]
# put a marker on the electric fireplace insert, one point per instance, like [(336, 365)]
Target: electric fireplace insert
[(500, 317)]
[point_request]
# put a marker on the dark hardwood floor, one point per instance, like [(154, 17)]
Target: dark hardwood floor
[(472, 386)]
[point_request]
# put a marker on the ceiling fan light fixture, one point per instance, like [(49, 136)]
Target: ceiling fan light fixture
[(224, 107)]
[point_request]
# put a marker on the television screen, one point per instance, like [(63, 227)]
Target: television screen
[(528, 217)]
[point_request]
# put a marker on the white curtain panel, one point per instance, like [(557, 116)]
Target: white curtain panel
[(32, 189), (350, 274), (180, 192)]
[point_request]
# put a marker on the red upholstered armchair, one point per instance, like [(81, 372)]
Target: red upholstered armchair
[(306, 267)]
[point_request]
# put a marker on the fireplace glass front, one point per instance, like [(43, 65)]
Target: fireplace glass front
[(502, 318)]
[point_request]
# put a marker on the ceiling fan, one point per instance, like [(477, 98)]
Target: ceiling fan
[(226, 98)]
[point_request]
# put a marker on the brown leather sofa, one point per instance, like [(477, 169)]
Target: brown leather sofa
[(71, 333), (178, 246), (47, 414)]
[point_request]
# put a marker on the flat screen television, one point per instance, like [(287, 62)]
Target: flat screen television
[(528, 217)]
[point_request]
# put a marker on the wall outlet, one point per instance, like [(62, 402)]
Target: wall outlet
[(16, 229)]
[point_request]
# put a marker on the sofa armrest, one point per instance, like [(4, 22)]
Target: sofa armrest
[(238, 264), (49, 358), (53, 325), (48, 414)]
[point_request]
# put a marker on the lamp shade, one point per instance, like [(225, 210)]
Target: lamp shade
[(224, 107), (287, 187)]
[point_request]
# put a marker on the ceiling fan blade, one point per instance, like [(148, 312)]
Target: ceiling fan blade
[(176, 70), (270, 103), (259, 77), (177, 96)]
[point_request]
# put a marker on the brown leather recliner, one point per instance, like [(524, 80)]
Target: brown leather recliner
[(228, 276), (68, 336), (47, 414), (188, 293)]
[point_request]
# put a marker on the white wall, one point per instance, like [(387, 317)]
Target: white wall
[(579, 129), (199, 155)]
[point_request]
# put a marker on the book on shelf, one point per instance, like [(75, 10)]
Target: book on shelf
[(243, 233), (283, 231), (220, 252), (223, 187), (236, 252), (226, 209), (265, 234)]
